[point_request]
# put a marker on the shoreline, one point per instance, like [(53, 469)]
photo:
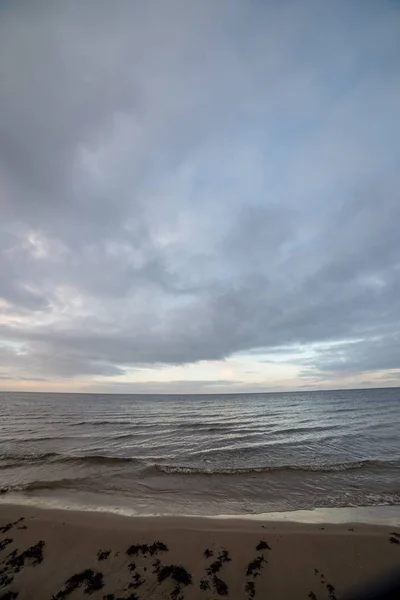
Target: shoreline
[(44, 553), (373, 515)]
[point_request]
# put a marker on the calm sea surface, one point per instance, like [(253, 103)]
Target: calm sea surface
[(216, 454)]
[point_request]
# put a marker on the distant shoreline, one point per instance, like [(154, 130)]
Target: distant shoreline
[(196, 394)]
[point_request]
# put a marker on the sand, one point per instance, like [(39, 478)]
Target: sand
[(47, 554)]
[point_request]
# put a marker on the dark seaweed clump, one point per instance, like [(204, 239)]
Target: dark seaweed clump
[(220, 586), (103, 554), (6, 579), (262, 546), (5, 528), (156, 565), (34, 554), (132, 566), (223, 556), (250, 588), (176, 572), (396, 534), (4, 543), (15, 562), (144, 549), (137, 581), (253, 570), (204, 585), (216, 566), (9, 595), (255, 565), (331, 590), (89, 579)]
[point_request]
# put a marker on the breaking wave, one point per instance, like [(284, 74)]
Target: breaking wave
[(323, 468)]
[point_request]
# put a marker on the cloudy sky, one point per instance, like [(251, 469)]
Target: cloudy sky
[(199, 196)]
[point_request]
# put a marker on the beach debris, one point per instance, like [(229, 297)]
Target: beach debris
[(137, 549), (132, 566), (253, 570), (250, 589), (262, 545), (179, 574), (351, 528), (331, 590), (34, 554), (89, 579), (216, 566), (157, 547), (176, 572), (394, 540), (156, 565), (223, 556), (6, 580), (214, 581), (255, 565), (144, 549), (204, 584), (103, 554), (4, 543), (220, 586), (137, 581), (176, 593), (396, 534), (5, 528), (9, 595)]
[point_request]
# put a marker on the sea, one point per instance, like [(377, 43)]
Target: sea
[(201, 454)]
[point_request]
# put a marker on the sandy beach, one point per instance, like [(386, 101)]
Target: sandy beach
[(63, 554)]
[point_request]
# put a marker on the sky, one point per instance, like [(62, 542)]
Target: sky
[(199, 196)]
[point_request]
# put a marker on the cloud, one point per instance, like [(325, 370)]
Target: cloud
[(182, 183)]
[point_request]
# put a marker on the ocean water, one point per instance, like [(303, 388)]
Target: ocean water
[(204, 454)]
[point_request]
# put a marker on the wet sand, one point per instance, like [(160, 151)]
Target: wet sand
[(58, 554)]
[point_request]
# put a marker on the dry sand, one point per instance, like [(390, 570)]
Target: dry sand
[(63, 554)]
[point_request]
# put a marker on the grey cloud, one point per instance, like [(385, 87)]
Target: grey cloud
[(187, 183), (371, 354)]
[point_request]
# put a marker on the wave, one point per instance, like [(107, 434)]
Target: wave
[(12, 460), (203, 426), (98, 459), (127, 423), (94, 422), (38, 485), (325, 468), (15, 459)]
